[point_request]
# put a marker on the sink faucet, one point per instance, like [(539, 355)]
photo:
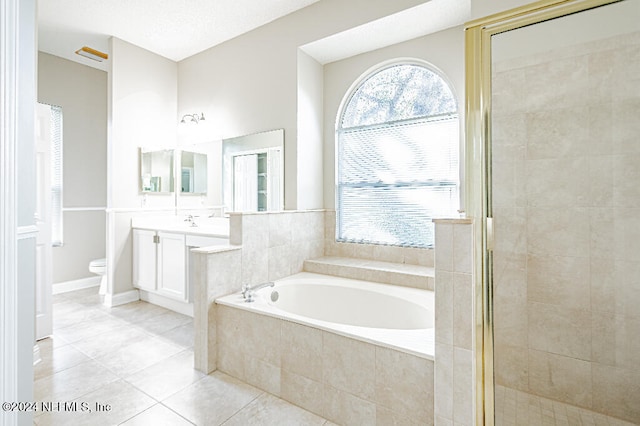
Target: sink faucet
[(248, 291), (190, 220)]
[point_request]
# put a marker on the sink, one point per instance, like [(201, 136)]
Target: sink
[(214, 226)]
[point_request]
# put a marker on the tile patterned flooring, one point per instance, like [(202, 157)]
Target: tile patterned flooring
[(138, 359), (514, 407)]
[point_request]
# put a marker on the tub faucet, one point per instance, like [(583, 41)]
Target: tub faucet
[(248, 290)]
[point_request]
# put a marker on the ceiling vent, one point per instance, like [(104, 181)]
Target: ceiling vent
[(94, 54)]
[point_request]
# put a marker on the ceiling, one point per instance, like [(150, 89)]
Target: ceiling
[(426, 18), (175, 29)]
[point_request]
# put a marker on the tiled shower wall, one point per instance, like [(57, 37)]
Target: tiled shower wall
[(566, 199)]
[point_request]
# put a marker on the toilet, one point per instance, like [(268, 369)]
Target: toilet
[(99, 267)]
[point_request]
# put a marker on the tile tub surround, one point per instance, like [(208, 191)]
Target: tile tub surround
[(375, 252), (395, 317), (263, 247), (268, 246), (276, 244), (217, 271), (399, 274), (138, 359), (566, 162), (455, 352), (344, 380)]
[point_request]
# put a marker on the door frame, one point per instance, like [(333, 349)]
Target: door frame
[(8, 207), (18, 53), (478, 175)]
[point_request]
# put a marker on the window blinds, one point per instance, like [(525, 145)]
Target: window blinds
[(56, 177), (393, 179)]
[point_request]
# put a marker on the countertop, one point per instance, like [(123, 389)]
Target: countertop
[(211, 227)]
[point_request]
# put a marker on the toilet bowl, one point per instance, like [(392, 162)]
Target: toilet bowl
[(99, 267)]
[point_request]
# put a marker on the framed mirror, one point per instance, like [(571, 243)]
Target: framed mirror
[(156, 171), (193, 173), (253, 172)]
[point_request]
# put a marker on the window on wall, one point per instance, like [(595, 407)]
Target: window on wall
[(56, 176), (398, 142)]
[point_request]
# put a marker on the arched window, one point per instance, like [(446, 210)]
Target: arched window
[(397, 167)]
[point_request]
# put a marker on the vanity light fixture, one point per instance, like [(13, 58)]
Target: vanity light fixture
[(193, 118), (94, 54)]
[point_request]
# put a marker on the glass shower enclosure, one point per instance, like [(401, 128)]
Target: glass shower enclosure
[(561, 191)]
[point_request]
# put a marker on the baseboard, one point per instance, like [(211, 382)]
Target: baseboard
[(111, 300), (168, 303), (68, 286)]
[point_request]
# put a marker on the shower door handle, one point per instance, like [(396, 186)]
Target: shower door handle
[(490, 235)]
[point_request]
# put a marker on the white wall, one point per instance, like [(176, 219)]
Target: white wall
[(143, 113), (482, 8), (444, 50), (255, 82), (310, 131), (143, 99), (249, 84), (81, 91)]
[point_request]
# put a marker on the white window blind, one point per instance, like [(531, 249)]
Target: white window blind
[(397, 159), (56, 177)]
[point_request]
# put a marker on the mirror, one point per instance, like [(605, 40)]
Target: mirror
[(253, 172), (193, 173), (156, 171)]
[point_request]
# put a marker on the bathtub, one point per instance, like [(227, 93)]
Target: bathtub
[(396, 317)]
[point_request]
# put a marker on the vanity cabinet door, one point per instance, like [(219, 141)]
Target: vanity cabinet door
[(144, 259), (172, 265)]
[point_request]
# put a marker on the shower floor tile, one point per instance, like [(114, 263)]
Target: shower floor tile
[(514, 407)]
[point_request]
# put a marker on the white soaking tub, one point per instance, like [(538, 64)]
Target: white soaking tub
[(397, 317)]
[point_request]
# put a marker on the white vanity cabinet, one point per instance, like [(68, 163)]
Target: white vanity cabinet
[(159, 263), (163, 262), (172, 266), (144, 259)]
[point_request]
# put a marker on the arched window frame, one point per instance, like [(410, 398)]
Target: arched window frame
[(453, 116)]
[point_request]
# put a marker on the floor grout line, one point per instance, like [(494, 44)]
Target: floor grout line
[(83, 308), (243, 407)]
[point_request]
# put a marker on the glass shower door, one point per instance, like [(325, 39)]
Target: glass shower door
[(565, 201)]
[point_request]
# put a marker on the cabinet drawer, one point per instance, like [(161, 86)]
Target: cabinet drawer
[(204, 241)]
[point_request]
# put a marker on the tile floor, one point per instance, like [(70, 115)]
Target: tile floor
[(514, 407), (138, 360)]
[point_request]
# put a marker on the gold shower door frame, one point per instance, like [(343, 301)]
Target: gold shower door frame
[(478, 181)]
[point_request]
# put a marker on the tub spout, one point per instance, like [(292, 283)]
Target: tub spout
[(248, 290)]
